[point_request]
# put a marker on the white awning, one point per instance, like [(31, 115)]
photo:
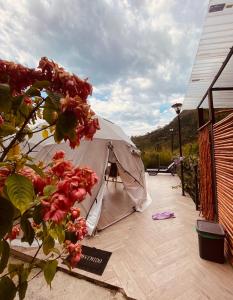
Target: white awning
[(214, 46)]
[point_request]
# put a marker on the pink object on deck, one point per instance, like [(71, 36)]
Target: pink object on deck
[(163, 215)]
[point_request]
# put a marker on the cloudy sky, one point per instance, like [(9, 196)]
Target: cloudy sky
[(137, 54)]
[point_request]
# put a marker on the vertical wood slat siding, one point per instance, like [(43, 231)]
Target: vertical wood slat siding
[(223, 144), (205, 189)]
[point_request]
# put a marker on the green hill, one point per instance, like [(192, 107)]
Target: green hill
[(161, 138), (156, 145)]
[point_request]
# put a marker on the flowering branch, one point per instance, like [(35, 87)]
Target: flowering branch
[(11, 144), (42, 196)]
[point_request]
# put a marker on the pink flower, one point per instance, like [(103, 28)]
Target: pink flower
[(28, 172), (61, 167), (78, 195), (64, 186), (1, 120), (39, 184), (57, 216), (59, 155), (75, 213), (74, 251), (56, 208), (79, 228)]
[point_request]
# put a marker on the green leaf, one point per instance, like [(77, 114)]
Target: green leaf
[(5, 253), (41, 84), (24, 110), (22, 288), (65, 126), (23, 284), (7, 289), (29, 233), (49, 108), (55, 97), (14, 269), (5, 98), (49, 190), (53, 233), (48, 244), (32, 92), (7, 129), (37, 215), (55, 250), (37, 169), (16, 103), (6, 216), (20, 191), (60, 233), (50, 269)]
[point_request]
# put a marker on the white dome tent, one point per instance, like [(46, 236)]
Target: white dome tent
[(110, 148)]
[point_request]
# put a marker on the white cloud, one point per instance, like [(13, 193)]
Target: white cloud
[(137, 53)]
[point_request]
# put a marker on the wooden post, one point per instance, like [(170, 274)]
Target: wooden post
[(213, 167), (200, 113)]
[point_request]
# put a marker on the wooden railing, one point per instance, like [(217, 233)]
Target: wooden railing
[(223, 141), (205, 175)]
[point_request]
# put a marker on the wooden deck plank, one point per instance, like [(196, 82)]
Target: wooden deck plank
[(159, 259)]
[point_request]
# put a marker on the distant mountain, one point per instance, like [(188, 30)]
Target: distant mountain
[(161, 138)]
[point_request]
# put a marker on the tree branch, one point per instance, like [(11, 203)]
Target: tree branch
[(31, 149), (6, 150)]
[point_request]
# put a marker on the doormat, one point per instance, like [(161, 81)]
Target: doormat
[(93, 260)]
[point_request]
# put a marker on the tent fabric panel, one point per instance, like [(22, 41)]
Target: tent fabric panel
[(111, 131), (95, 211), (131, 171)]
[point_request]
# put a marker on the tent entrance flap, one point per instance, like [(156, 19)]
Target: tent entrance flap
[(116, 204)]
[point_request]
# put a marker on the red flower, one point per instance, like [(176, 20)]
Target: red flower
[(27, 100), (59, 155), (39, 184), (74, 251), (4, 173), (14, 233), (75, 213), (61, 167), (78, 195), (56, 216)]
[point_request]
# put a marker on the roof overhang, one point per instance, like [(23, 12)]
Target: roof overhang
[(213, 66)]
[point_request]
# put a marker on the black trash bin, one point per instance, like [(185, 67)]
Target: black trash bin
[(211, 241)]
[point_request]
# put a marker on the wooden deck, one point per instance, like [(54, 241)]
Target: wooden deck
[(159, 259)]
